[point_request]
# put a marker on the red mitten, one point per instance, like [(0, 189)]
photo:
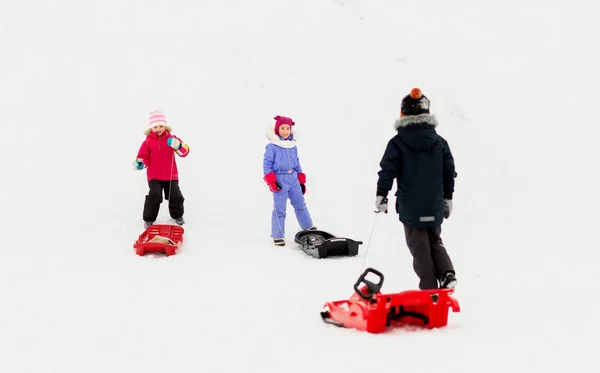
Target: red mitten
[(271, 181), (302, 177), (302, 180)]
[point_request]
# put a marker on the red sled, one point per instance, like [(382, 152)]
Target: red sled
[(371, 311), (159, 238)]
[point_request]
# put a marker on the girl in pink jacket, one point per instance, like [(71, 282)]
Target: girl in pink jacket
[(157, 155)]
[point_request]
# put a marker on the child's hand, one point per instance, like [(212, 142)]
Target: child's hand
[(271, 181), (302, 181), (447, 208), (139, 164), (174, 143), (381, 204)]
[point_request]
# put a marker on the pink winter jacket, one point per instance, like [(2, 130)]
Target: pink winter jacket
[(159, 157)]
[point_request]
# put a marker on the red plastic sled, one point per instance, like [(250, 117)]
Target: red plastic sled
[(159, 238), (371, 311)]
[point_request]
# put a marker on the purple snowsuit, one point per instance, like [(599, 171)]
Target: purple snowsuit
[(281, 157)]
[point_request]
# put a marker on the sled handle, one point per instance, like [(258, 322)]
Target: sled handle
[(372, 287)]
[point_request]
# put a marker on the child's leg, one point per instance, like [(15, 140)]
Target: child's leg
[(153, 201), (441, 259), (299, 204), (417, 240), (278, 215), (175, 197)]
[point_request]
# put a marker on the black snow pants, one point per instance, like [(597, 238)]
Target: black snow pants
[(430, 258), (155, 197)]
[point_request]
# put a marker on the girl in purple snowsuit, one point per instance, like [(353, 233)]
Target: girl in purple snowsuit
[(284, 176)]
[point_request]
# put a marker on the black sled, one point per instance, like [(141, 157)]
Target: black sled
[(320, 244)]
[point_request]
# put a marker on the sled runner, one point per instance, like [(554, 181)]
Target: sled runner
[(321, 244), (159, 238), (371, 311)]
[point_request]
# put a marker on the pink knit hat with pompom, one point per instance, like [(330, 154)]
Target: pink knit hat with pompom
[(157, 118)]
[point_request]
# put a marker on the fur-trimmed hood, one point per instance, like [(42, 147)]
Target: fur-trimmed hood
[(417, 132), (416, 120), (276, 140)]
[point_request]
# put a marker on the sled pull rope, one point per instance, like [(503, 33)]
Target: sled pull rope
[(362, 267)]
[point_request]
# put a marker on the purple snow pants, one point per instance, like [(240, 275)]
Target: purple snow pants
[(290, 188)]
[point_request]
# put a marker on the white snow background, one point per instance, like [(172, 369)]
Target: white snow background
[(514, 85)]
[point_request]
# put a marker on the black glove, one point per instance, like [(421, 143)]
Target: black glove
[(303, 187)]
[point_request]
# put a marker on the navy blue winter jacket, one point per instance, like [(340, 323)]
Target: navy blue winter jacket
[(423, 165)]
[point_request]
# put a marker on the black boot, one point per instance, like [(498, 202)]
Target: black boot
[(448, 281)]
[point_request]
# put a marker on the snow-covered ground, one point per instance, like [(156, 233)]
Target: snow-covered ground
[(511, 82)]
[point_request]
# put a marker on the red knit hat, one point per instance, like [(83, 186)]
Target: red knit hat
[(279, 120)]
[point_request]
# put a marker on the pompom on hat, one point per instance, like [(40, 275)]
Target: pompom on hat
[(415, 103), (279, 120), (157, 118)]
